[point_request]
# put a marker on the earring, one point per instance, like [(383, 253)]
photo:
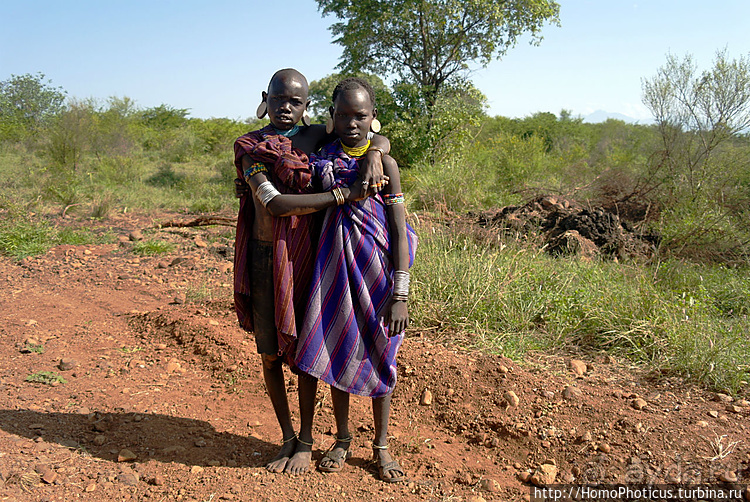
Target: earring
[(375, 125), (329, 125), (262, 110), (306, 119)]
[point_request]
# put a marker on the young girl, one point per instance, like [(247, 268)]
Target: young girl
[(357, 310)]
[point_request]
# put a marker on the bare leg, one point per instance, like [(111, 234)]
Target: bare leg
[(273, 374), (334, 459), (300, 461), (388, 468)]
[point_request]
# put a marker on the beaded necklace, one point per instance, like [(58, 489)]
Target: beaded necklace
[(356, 151)]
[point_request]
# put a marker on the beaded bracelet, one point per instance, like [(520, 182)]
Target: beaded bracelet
[(391, 199), (255, 169)]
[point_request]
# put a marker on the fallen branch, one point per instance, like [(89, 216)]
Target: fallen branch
[(201, 221)]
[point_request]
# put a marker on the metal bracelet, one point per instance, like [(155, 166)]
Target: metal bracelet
[(266, 192)]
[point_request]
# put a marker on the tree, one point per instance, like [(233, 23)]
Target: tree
[(26, 103), (431, 42), (321, 91), (695, 113)]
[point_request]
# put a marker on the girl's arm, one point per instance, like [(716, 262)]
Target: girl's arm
[(399, 312), (280, 204)]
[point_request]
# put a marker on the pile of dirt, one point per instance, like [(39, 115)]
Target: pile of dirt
[(563, 226)]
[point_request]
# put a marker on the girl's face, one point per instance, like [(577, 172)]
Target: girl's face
[(352, 115), (287, 101)]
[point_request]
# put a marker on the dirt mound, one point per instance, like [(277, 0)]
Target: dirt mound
[(563, 226)]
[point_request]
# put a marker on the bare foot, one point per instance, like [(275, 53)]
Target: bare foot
[(300, 461), (280, 461)]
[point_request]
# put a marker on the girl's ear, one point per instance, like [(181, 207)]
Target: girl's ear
[(263, 106), (374, 113), (329, 122), (306, 116)]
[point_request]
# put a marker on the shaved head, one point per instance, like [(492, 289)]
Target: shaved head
[(288, 77)]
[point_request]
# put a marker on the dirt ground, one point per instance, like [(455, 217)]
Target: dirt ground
[(163, 398)]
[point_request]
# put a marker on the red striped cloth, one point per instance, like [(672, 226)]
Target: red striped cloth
[(293, 251)]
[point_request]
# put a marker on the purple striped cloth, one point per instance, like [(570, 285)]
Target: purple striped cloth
[(343, 339)]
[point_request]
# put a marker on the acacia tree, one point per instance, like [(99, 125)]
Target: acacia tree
[(696, 112), (432, 42)]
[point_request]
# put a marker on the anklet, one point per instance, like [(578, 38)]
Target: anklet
[(378, 447), (347, 439), (285, 441), (304, 442)]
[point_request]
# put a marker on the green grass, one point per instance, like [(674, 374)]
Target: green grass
[(22, 236), (153, 247), (45, 377), (681, 320)]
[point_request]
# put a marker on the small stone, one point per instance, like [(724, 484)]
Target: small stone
[(571, 392), (544, 475), (734, 409), (162, 264), (173, 366), (578, 367), (638, 403), (129, 478), (46, 473), (426, 398), (157, 480), (99, 440), (502, 369), (196, 469), (36, 426), (548, 394), (524, 476), (701, 423), (200, 243), (90, 487), (136, 235), (214, 463), (585, 437), (546, 444), (604, 448), (67, 364), (743, 402), (126, 455), (489, 485), (728, 477), (160, 346), (568, 477), (723, 398), (494, 442), (713, 413), (511, 398)]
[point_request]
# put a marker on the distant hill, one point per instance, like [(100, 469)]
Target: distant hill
[(602, 116)]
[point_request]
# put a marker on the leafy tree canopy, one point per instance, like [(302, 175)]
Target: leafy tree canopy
[(429, 42), (28, 101)]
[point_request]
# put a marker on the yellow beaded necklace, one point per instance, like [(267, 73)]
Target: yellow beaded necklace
[(356, 151)]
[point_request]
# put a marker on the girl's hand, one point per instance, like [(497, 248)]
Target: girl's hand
[(241, 188), (399, 318), (356, 192)]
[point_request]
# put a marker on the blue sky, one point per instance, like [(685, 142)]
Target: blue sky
[(215, 57)]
